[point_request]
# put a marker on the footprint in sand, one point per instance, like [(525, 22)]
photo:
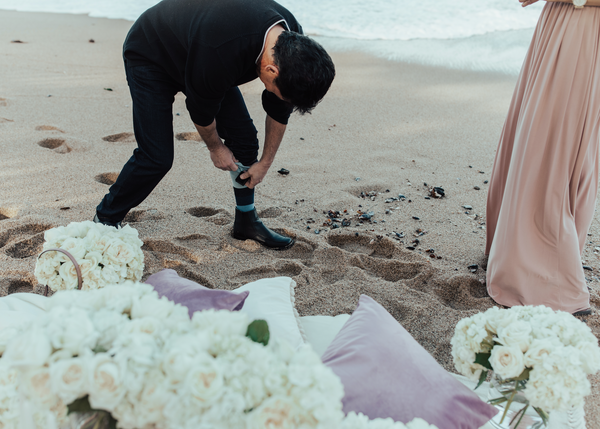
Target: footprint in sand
[(462, 293), (216, 216), (106, 178), (7, 213), (278, 269), (143, 215), (379, 256), (48, 128), (167, 250), (23, 241), (57, 145), (19, 282), (188, 137), (120, 138), (270, 212)]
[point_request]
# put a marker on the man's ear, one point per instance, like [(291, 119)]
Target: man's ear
[(272, 70)]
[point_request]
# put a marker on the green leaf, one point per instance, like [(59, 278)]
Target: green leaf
[(524, 375), (81, 405), (482, 378), (497, 401), (258, 331), (483, 359), (545, 417)]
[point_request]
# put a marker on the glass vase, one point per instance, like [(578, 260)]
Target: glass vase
[(510, 412)]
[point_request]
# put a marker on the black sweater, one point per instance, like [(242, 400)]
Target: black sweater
[(207, 47)]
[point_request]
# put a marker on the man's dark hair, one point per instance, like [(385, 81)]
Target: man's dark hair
[(305, 70)]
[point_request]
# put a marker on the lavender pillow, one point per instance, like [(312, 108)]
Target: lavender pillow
[(194, 296), (386, 373)]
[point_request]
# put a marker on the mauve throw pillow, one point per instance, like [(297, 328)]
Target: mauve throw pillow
[(386, 373), (194, 296)]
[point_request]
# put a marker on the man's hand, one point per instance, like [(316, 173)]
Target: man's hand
[(256, 172), (223, 159), (525, 3), (220, 154)]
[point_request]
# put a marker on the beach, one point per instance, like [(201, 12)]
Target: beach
[(384, 129)]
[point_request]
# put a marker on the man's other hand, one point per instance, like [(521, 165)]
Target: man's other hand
[(223, 159), (256, 172)]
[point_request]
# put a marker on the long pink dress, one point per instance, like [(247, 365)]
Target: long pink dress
[(545, 177)]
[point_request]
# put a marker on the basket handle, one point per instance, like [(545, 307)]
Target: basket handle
[(79, 278)]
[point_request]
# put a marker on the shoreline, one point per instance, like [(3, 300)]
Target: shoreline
[(394, 125)]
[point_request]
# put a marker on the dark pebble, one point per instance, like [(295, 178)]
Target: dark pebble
[(301, 138), (17, 41), (439, 257), (425, 184), (92, 41), (473, 268), (345, 222), (427, 198), (477, 188), (410, 247), (317, 231), (431, 255), (586, 267), (416, 218), (401, 196), (108, 89), (486, 182), (356, 234), (307, 227), (65, 208), (283, 172), (387, 190)]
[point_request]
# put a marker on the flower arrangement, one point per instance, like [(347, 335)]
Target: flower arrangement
[(122, 357), (534, 351), (106, 255)]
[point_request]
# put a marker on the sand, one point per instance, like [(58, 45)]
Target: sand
[(384, 128)]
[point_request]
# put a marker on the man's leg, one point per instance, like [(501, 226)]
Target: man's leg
[(152, 93), (237, 130)]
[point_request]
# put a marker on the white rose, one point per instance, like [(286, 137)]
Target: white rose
[(151, 306), (55, 283), (119, 253), (38, 388), (275, 413), (590, 356), (108, 324), (105, 382), (151, 401), (71, 329), (497, 318), (69, 378), (180, 355), (516, 334), (78, 229), (204, 382), (31, 348), (76, 247), (68, 274), (539, 350), (109, 275), (507, 362)]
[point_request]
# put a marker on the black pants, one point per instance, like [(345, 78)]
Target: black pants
[(153, 93)]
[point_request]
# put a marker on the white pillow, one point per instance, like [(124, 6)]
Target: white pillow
[(273, 300), (321, 330)]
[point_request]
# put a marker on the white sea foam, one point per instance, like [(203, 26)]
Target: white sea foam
[(473, 34)]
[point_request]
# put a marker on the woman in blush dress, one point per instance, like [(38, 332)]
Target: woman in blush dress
[(545, 177)]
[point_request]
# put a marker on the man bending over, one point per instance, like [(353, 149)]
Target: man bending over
[(206, 49)]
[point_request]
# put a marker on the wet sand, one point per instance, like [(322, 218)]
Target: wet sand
[(384, 129)]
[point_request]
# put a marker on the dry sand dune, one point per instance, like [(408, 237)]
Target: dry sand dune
[(384, 129)]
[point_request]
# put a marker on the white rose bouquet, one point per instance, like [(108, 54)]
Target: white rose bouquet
[(105, 255), (535, 352)]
